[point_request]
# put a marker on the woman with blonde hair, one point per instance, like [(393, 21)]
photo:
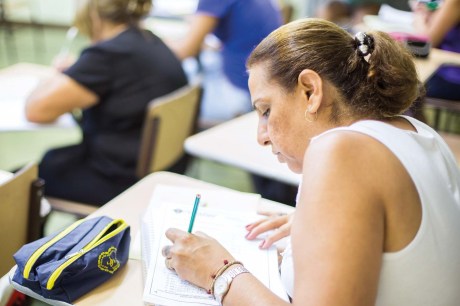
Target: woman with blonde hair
[(378, 214), (112, 81)]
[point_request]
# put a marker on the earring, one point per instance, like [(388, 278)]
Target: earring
[(308, 116)]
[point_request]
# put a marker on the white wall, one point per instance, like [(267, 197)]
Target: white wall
[(53, 12)]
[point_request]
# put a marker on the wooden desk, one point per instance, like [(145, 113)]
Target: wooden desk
[(235, 143), (426, 67), (4, 176), (126, 287)]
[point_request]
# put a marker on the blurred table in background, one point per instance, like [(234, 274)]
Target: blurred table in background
[(20, 140), (173, 9), (235, 143), (426, 67)]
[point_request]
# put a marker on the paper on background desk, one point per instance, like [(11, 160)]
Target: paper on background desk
[(223, 215), (5, 176), (17, 87), (390, 19), (167, 8), (14, 91)]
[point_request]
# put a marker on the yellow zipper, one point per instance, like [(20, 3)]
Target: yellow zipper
[(34, 257), (92, 244)]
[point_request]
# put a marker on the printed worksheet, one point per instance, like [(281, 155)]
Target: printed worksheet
[(220, 220)]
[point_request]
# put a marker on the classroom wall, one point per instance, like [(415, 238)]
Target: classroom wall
[(304, 8), (50, 12), (60, 12)]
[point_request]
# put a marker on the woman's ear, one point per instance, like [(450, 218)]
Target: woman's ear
[(312, 85)]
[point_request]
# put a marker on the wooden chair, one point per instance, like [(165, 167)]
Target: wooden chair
[(77, 209), (20, 220), (25, 9), (169, 121), (439, 105), (287, 11)]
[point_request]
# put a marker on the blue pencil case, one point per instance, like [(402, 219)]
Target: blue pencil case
[(59, 269)]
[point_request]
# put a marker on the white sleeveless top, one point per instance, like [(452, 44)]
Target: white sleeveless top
[(427, 271)]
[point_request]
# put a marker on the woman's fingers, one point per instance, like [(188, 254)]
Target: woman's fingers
[(249, 227), (166, 251), (266, 225), (174, 233), (269, 214), (168, 263), (276, 235), (201, 234)]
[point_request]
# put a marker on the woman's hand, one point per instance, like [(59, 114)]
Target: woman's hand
[(280, 223), (195, 257), (422, 17)]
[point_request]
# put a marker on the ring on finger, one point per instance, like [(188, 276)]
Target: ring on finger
[(166, 251), (168, 264)]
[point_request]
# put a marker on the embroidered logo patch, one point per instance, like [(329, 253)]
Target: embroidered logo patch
[(108, 261)]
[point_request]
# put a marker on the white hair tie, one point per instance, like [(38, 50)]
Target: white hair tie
[(364, 44)]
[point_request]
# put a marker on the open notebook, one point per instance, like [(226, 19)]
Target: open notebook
[(223, 215)]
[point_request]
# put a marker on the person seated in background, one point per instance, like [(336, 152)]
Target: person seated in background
[(373, 224), (112, 81), (239, 25), (442, 26), (339, 12), (351, 12)]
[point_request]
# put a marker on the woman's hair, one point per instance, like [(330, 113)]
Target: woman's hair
[(382, 85), (115, 11)]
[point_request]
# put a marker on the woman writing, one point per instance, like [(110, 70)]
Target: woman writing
[(113, 80), (442, 27), (378, 214)]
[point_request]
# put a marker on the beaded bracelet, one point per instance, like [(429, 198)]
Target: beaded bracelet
[(221, 271)]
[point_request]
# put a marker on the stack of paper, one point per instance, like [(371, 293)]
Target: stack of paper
[(390, 19), (222, 215)]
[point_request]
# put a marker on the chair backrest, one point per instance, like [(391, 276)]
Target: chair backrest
[(438, 105), (79, 210), (169, 121), (287, 11), (19, 213)]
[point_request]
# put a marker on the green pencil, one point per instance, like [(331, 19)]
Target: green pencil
[(195, 208)]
